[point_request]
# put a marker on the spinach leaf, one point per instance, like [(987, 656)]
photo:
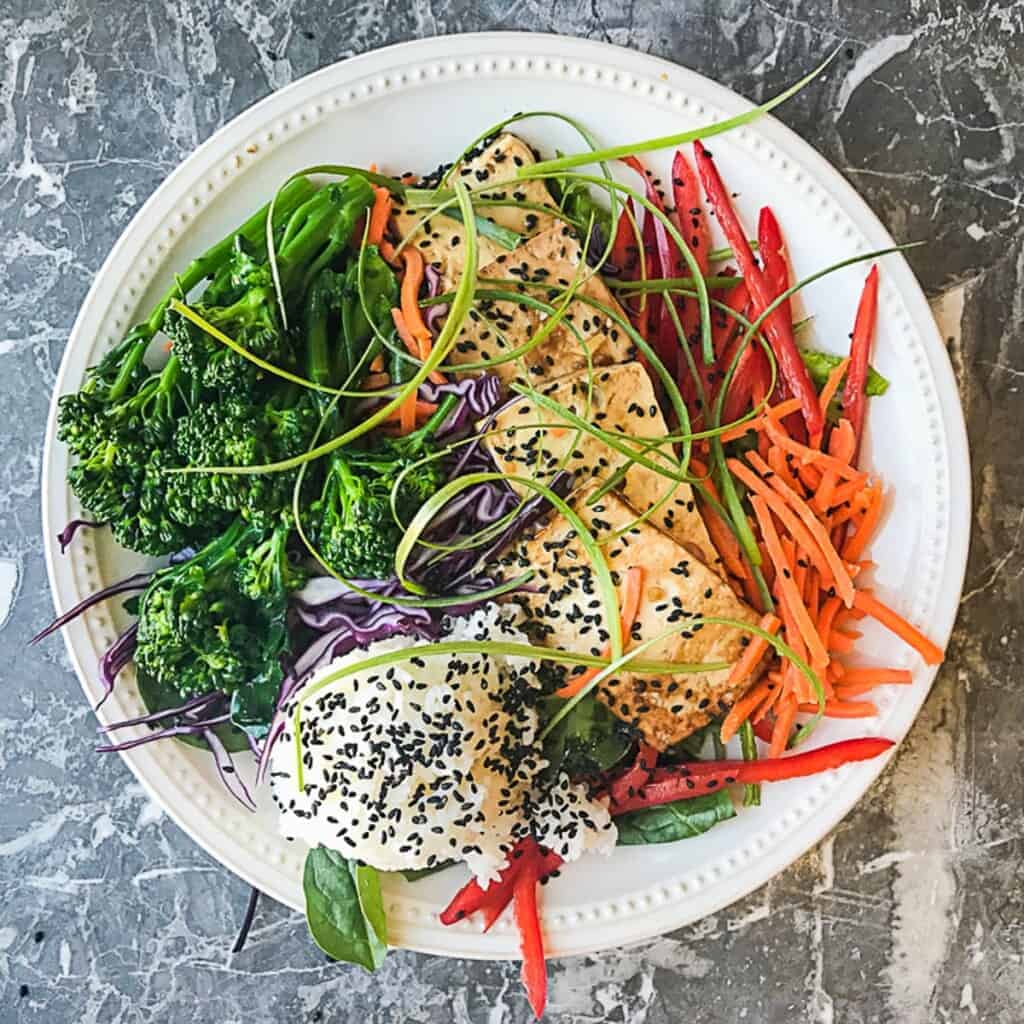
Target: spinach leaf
[(157, 697), (344, 908), (668, 823), (588, 741)]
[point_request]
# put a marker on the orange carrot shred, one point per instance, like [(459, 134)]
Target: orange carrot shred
[(784, 579), (895, 623), (785, 718), (844, 709), (854, 547), (379, 214)]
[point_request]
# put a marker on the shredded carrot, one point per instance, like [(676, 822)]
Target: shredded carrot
[(843, 709), (783, 409), (877, 676), (858, 541), (828, 392), (784, 579), (807, 456), (420, 410), (895, 623), (785, 717), (379, 214), (840, 576), (745, 707), (743, 668), (847, 491), (776, 459), (377, 363), (377, 380), (412, 344), (839, 642), (632, 591)]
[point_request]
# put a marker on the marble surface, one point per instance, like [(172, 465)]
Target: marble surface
[(912, 912)]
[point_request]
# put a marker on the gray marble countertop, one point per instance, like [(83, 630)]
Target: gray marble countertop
[(912, 912)]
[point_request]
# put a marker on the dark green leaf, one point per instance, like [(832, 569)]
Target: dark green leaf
[(344, 909), (588, 741), (672, 822), (160, 698)]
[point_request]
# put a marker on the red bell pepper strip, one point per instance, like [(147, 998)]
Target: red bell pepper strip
[(472, 897), (625, 254), (699, 777), (772, 250), (693, 226), (854, 395), (637, 775), (531, 940), (777, 328)]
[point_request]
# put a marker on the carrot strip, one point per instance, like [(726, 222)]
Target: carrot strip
[(754, 652), (377, 363), (776, 460), (379, 214), (784, 720), (840, 643), (793, 525), (847, 492), (806, 455), (828, 392), (632, 591), (783, 409), (377, 380), (877, 676), (895, 623), (784, 579), (840, 576), (745, 707), (844, 709), (413, 345), (854, 547)]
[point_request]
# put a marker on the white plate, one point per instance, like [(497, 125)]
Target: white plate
[(410, 107)]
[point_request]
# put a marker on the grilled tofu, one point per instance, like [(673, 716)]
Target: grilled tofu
[(440, 239), (552, 259), (567, 614), (615, 398)]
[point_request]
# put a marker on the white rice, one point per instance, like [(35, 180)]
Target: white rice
[(430, 759)]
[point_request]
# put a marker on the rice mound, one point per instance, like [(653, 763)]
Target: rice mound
[(430, 759)]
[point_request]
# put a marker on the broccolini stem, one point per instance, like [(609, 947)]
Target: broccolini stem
[(318, 362)]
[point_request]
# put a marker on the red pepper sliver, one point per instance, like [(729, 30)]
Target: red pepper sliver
[(854, 393), (531, 940), (697, 778), (777, 328)]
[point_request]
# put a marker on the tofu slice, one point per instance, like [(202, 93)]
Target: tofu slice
[(616, 398), (567, 614), (496, 326), (440, 239)]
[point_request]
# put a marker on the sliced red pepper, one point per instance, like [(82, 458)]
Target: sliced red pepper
[(531, 939), (637, 775), (686, 781), (777, 328), (472, 897), (693, 226), (625, 254), (773, 257), (854, 393)]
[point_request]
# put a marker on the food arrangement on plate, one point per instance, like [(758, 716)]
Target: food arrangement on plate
[(496, 503)]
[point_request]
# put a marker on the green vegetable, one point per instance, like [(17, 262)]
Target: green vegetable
[(367, 496), (821, 364), (588, 741), (217, 620), (344, 909), (315, 235), (669, 823), (157, 697), (505, 237)]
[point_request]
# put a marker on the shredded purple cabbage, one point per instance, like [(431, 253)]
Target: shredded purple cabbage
[(435, 315), (117, 655), (226, 770), (67, 535), (137, 582), (478, 397)]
